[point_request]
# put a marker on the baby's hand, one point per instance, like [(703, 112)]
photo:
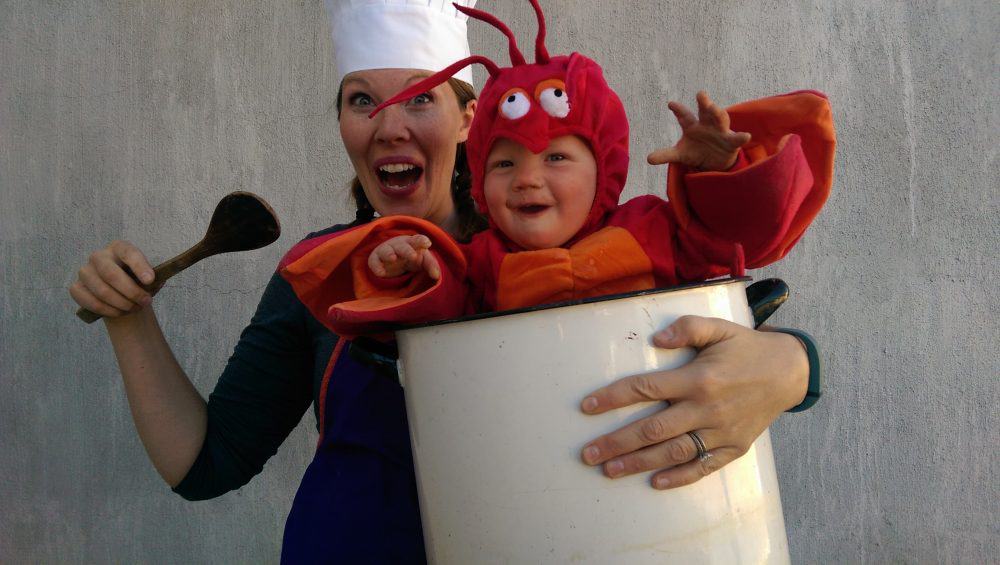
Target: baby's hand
[(706, 141), (404, 254)]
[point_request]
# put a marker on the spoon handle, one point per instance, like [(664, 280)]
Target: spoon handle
[(161, 273)]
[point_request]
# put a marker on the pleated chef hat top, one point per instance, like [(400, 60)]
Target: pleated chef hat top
[(398, 34)]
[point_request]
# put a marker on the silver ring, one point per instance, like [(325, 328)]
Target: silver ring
[(699, 444)]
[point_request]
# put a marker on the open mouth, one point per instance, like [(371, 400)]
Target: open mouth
[(532, 209), (399, 176)]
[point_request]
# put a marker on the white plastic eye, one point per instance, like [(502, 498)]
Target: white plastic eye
[(555, 102), (515, 104), (551, 94)]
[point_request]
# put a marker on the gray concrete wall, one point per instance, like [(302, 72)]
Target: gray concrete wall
[(130, 119)]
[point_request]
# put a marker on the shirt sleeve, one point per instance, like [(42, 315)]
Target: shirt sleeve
[(259, 399)]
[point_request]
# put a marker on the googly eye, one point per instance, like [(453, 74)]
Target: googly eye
[(551, 94), (515, 104)]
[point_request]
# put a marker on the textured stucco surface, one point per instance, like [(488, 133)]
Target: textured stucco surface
[(130, 120)]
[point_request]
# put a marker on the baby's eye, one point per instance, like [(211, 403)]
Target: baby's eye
[(556, 157), (424, 98), (551, 94), (514, 104), (503, 164)]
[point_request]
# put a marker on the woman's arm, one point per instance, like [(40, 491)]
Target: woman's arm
[(169, 414), (204, 450), (740, 381)]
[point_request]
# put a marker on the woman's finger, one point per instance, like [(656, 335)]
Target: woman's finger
[(695, 331), (686, 331), (658, 385), (130, 256), (696, 469), (664, 155), (113, 274), (670, 453), (86, 299), (658, 428), (98, 281)]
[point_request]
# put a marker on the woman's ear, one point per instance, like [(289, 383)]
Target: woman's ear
[(467, 115)]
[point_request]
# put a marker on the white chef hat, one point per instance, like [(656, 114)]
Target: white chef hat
[(398, 34)]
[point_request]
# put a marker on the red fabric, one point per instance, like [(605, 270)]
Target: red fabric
[(334, 271), (596, 115), (714, 223), (798, 187), (729, 220)]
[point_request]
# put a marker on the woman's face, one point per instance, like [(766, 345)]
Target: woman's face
[(405, 155)]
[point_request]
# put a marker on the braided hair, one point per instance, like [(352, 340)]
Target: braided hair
[(470, 221)]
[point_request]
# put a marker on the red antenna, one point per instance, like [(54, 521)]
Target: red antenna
[(541, 53), (436, 79), (516, 58)]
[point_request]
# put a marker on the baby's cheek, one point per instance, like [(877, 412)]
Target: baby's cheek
[(494, 193)]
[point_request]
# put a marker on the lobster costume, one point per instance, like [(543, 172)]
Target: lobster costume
[(714, 223)]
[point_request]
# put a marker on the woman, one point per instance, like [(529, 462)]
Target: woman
[(358, 500)]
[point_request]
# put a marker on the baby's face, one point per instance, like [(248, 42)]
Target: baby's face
[(540, 200)]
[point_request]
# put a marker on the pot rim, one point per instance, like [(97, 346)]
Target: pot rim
[(551, 305)]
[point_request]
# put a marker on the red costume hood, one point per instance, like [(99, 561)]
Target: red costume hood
[(532, 103)]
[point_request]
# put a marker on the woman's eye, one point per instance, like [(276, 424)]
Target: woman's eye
[(360, 99), (515, 104), (551, 94)]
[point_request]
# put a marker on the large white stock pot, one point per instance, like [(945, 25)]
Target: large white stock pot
[(496, 429)]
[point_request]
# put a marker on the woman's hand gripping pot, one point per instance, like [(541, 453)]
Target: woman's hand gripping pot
[(740, 381)]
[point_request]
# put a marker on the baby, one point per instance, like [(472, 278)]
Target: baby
[(548, 152)]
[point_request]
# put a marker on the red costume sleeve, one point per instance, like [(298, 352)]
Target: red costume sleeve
[(754, 214), (330, 275)]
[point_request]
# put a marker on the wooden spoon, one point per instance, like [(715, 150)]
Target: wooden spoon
[(242, 221)]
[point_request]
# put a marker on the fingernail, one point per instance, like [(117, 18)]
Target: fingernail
[(591, 454), (614, 468), (146, 300), (663, 337), (661, 482), (589, 404), (147, 277)]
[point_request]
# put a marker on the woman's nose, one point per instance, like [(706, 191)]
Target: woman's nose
[(391, 125)]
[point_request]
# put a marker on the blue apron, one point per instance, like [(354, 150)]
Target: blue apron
[(357, 502)]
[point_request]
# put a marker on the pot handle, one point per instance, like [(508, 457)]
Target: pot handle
[(764, 297), (378, 355)]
